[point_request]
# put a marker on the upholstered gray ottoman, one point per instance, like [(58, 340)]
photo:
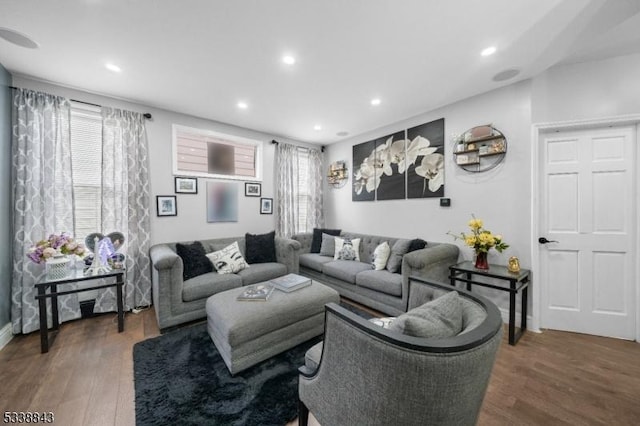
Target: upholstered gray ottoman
[(247, 333)]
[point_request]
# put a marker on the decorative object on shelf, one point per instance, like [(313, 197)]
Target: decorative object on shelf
[(186, 185), (480, 148), (252, 189), (57, 267), (166, 205), (222, 202), (514, 265), (100, 256), (337, 175), (54, 245), (481, 240), (266, 205)]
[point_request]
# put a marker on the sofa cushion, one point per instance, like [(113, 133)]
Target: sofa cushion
[(328, 247), (381, 256), (345, 270), (229, 260), (262, 272), (316, 241), (260, 248), (206, 285), (442, 317), (194, 260), (347, 249), (381, 281), (398, 250), (314, 261)]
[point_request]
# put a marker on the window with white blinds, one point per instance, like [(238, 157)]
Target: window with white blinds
[(303, 189), (86, 163)]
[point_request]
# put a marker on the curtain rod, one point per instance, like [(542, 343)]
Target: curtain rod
[(275, 142), (146, 115)]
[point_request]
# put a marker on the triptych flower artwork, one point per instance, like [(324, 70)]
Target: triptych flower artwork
[(406, 164)]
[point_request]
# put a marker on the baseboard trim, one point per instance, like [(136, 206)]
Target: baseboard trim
[(505, 319), (5, 335)]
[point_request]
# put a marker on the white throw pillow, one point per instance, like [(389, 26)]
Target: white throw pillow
[(380, 256), (229, 260), (347, 249)]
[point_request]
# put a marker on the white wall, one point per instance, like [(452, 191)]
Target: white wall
[(501, 197), (191, 222)]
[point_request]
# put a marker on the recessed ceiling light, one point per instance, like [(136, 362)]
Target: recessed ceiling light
[(242, 105), (317, 127), (288, 59), (489, 51), (17, 38), (375, 101), (112, 67), (506, 74)]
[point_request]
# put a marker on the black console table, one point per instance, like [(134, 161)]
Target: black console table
[(48, 289), (467, 273)]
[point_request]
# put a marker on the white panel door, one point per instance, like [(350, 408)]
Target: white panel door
[(587, 206)]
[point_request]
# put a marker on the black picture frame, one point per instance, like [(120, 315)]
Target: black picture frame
[(252, 189), (180, 188), (166, 205), (266, 205)]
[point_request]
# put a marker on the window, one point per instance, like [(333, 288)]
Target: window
[(86, 163), (304, 196), (198, 152)]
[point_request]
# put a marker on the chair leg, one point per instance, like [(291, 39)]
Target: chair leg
[(303, 414)]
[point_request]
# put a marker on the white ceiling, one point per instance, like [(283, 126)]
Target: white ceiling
[(201, 57)]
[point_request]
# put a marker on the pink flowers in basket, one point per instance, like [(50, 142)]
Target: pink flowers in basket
[(55, 245)]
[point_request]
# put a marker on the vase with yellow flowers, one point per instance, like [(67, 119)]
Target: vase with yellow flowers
[(481, 240)]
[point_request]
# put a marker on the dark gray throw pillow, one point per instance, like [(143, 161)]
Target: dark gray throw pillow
[(328, 247), (398, 250), (260, 248), (194, 260), (442, 317), (316, 240)]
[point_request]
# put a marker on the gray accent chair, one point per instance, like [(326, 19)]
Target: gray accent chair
[(370, 375), (177, 301)]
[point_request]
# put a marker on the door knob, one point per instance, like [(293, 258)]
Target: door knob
[(543, 240)]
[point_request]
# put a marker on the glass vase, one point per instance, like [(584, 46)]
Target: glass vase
[(481, 260)]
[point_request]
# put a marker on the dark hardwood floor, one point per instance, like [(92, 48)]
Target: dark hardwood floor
[(551, 378)]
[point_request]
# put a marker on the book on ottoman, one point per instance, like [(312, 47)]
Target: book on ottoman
[(290, 282), (256, 293)]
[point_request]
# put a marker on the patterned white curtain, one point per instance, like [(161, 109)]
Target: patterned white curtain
[(292, 167), (42, 197), (125, 202)]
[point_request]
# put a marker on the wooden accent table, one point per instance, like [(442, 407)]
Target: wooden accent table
[(466, 272), (74, 276)]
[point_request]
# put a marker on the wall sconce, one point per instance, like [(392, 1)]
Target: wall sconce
[(338, 174)]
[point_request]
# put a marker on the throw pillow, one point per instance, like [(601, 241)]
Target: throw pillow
[(442, 317), (260, 248), (316, 240), (380, 256), (194, 260), (398, 250), (347, 249), (229, 260), (328, 247)]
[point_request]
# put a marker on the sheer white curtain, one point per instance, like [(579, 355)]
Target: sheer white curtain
[(42, 194), (125, 202), (298, 188)]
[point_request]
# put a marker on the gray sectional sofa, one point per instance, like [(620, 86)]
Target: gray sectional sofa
[(177, 301), (381, 290)]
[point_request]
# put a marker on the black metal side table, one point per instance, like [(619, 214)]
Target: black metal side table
[(48, 289), (466, 272)]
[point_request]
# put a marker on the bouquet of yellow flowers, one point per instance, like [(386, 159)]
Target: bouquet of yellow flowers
[(482, 239)]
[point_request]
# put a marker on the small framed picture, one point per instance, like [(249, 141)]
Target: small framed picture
[(166, 205), (266, 205), (185, 185), (252, 189)]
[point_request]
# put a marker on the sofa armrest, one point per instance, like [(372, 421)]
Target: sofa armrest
[(166, 282), (288, 253), (162, 257), (305, 241)]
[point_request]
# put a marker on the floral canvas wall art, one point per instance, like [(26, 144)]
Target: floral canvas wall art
[(365, 173), (390, 159), (425, 159)]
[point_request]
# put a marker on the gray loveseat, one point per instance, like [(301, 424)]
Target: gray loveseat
[(177, 301), (381, 290)]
